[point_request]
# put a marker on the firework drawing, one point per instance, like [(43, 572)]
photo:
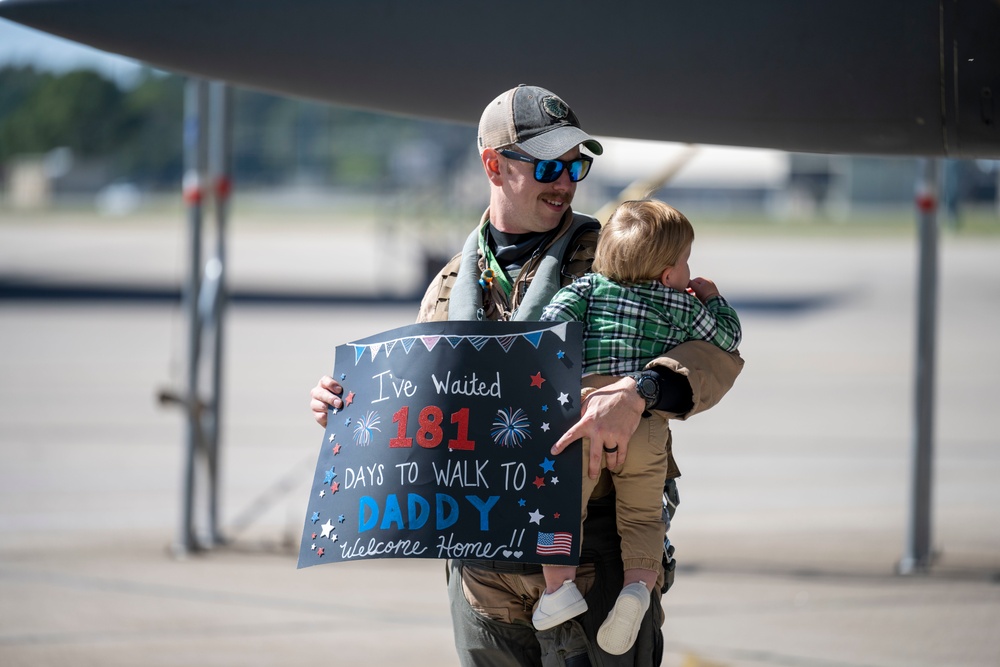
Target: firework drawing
[(365, 427), (510, 428)]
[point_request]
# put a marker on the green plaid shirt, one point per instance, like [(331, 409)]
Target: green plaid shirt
[(627, 326)]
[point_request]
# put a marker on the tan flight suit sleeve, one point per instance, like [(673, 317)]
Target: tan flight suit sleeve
[(710, 371)]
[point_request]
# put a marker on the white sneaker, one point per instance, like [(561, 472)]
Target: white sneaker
[(558, 607), (620, 628)]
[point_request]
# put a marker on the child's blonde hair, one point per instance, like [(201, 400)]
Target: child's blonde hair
[(641, 240)]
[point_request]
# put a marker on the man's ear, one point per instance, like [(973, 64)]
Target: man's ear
[(491, 163), (665, 276)]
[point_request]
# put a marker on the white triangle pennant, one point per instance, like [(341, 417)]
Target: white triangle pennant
[(560, 330)]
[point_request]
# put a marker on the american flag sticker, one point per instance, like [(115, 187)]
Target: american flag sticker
[(558, 544)]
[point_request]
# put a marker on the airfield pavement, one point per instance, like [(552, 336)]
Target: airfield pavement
[(794, 491)]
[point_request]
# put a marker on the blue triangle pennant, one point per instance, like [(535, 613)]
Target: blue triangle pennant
[(534, 337)]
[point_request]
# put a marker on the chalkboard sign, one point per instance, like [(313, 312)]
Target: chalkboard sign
[(442, 448)]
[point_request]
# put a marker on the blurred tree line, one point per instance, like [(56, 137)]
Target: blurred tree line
[(136, 132)]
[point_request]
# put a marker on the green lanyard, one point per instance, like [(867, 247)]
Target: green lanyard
[(498, 273)]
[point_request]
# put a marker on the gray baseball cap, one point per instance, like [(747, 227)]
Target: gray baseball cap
[(535, 120)]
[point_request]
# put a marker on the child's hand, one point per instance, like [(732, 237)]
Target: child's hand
[(703, 288)]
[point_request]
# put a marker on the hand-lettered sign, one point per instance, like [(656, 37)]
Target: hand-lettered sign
[(442, 447)]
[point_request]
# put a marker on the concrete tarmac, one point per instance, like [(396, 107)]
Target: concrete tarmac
[(795, 490)]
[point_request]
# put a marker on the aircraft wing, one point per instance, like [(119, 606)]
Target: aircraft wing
[(919, 77)]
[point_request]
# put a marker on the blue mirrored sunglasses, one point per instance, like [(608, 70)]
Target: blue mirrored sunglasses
[(547, 171)]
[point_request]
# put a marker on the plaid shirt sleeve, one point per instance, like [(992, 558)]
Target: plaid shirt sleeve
[(569, 304), (718, 324)]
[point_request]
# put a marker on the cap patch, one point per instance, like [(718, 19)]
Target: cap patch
[(555, 107)]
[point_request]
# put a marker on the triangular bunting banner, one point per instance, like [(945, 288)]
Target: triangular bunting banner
[(479, 341), (506, 342), (534, 338)]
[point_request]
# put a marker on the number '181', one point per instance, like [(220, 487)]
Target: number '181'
[(430, 433)]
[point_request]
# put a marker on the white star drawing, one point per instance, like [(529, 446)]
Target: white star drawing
[(313, 547), (332, 436), (563, 398), (536, 517), (554, 480), (545, 426), (322, 493), (327, 527), (334, 537)]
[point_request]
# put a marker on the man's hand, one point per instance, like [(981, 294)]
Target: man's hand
[(609, 417), (325, 395)]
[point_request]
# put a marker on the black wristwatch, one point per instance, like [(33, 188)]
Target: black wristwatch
[(647, 384)]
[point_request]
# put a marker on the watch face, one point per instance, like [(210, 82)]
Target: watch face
[(647, 386)]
